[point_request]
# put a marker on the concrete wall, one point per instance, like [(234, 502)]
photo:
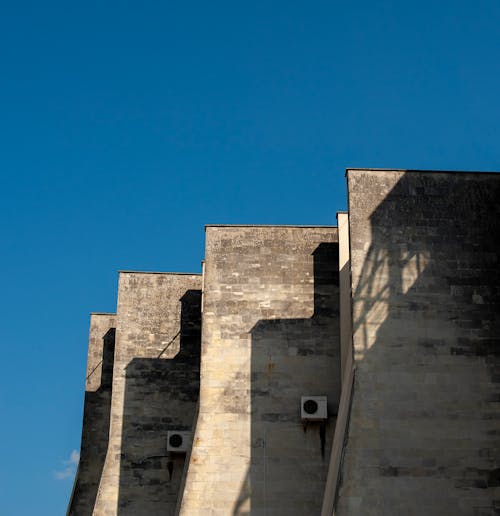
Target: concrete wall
[(424, 430), (155, 389), (270, 335), (96, 413)]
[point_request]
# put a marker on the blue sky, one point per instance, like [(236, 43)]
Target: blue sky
[(125, 127)]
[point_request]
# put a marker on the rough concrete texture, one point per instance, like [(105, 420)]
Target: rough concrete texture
[(270, 335), (424, 435), (155, 389), (96, 413)]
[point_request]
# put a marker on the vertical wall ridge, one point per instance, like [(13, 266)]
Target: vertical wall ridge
[(347, 368), (97, 406)]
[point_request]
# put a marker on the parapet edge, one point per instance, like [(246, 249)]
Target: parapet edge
[(437, 171), (298, 226), (159, 272)]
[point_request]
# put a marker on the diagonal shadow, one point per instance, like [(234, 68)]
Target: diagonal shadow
[(423, 423), (161, 394)]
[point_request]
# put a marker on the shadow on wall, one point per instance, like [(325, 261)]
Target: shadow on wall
[(161, 394), (292, 358), (95, 432), (423, 432)]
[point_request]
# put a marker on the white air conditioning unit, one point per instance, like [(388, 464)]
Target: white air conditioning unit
[(179, 441), (313, 408)]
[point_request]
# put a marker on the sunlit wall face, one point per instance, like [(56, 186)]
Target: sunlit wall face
[(270, 336), (425, 297), (154, 390)]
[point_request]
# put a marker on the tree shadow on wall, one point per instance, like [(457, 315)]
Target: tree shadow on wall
[(95, 433), (423, 429), (161, 394), (292, 358)]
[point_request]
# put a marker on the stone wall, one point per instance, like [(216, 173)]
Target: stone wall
[(424, 427), (270, 335), (96, 413), (155, 389), (422, 433)]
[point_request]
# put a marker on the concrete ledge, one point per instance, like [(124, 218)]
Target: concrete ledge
[(266, 226), (165, 273), (348, 169)]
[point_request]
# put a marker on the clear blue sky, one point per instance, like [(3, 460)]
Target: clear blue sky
[(125, 127)]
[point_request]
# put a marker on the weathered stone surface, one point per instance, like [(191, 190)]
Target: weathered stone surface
[(270, 335), (155, 389), (423, 435)]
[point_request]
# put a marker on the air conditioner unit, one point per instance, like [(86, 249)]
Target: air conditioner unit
[(179, 441), (313, 408)]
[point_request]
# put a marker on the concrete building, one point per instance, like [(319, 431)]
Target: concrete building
[(344, 370)]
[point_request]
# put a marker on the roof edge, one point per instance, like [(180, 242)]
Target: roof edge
[(438, 171), (159, 272), (298, 226)]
